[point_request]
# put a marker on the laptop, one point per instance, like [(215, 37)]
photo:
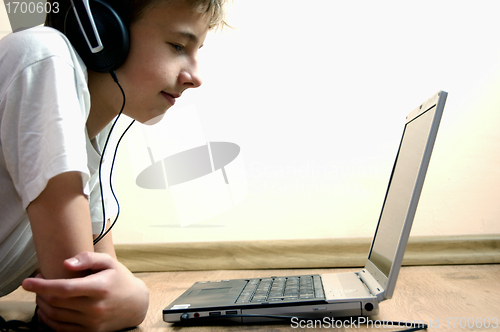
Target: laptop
[(353, 294)]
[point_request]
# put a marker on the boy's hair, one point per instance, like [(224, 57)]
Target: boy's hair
[(133, 10)]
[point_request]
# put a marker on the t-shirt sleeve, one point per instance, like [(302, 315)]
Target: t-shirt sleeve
[(43, 127)]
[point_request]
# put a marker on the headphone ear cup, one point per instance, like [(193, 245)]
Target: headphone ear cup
[(114, 36)]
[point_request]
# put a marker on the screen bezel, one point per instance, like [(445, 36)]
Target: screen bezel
[(388, 282)]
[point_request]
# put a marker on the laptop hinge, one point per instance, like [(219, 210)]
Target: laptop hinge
[(371, 284)]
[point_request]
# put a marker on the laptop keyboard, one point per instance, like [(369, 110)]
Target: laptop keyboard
[(276, 289)]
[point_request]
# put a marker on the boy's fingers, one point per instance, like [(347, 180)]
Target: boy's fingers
[(61, 287), (89, 261), (91, 285)]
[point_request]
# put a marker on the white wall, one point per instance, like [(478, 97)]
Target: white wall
[(315, 94)]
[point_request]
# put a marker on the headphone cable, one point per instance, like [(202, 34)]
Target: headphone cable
[(103, 230)]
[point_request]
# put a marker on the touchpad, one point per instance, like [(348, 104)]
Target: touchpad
[(216, 293), (212, 291)]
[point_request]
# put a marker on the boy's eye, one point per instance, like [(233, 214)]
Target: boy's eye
[(177, 48)]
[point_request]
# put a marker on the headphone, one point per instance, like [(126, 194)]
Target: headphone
[(99, 34)]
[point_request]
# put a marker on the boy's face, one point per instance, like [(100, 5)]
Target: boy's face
[(163, 59)]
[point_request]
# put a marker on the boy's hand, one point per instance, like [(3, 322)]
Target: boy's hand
[(109, 298)]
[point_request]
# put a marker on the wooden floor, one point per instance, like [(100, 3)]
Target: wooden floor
[(447, 298)]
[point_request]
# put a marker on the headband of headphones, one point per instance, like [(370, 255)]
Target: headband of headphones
[(98, 33)]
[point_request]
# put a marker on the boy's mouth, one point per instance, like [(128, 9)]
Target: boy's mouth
[(170, 98)]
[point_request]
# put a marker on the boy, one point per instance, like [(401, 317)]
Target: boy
[(54, 118)]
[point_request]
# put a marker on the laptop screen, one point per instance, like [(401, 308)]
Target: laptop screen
[(402, 187)]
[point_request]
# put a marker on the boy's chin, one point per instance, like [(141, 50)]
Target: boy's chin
[(154, 120)]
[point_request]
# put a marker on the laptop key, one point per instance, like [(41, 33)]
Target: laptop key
[(243, 300), (306, 296), (275, 299), (282, 289)]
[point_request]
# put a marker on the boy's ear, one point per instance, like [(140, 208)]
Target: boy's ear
[(98, 33)]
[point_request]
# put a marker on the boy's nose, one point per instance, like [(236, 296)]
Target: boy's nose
[(190, 78)]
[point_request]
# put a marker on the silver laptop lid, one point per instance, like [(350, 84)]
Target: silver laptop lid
[(405, 185)]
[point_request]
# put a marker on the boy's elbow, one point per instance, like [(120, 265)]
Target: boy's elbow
[(143, 302)]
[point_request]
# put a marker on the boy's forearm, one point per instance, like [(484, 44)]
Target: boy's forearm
[(105, 245), (60, 222)]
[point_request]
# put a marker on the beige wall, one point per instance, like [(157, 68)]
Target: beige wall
[(318, 109), (317, 106)]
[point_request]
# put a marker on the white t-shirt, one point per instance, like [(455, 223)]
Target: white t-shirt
[(44, 105)]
